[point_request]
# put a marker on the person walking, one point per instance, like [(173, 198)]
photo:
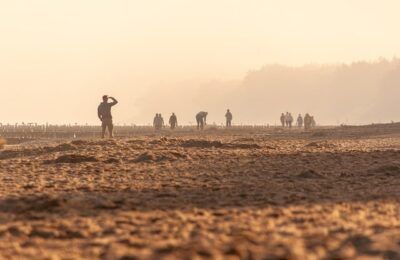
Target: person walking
[(173, 121)]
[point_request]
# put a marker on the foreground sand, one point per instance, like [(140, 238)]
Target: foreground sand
[(221, 194)]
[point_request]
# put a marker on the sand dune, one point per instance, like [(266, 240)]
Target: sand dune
[(249, 194)]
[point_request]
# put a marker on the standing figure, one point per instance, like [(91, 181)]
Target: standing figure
[(156, 122), (307, 121), (228, 117), (300, 121), (289, 120), (201, 119), (312, 122), (104, 114), (173, 121), (161, 121), (283, 120)]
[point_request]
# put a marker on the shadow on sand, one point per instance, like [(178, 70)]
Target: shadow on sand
[(327, 183)]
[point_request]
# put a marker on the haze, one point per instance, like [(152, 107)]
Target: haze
[(59, 57)]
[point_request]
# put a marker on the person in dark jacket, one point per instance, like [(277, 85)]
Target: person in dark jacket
[(104, 114)]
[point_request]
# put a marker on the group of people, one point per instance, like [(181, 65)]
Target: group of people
[(104, 114), (158, 121), (287, 120), (201, 120), (308, 121)]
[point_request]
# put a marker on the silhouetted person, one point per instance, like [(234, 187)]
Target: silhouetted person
[(158, 122), (161, 121), (201, 119), (104, 113), (283, 119), (307, 121), (173, 121), (312, 122), (228, 117), (289, 120), (300, 121), (155, 122)]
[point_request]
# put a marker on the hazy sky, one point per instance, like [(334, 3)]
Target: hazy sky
[(58, 57)]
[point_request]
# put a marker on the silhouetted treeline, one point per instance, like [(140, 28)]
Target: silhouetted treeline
[(356, 93)]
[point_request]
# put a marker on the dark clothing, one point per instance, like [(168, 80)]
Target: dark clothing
[(104, 110), (107, 123), (173, 121), (200, 123), (201, 118), (229, 117), (104, 113)]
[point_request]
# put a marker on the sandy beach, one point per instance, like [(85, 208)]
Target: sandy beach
[(219, 194)]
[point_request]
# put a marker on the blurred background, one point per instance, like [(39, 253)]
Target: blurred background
[(335, 60)]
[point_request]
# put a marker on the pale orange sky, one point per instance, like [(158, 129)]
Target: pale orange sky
[(58, 57)]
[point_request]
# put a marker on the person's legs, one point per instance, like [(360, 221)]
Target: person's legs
[(103, 129), (110, 129), (107, 125)]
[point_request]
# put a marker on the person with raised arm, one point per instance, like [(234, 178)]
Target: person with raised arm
[(104, 114)]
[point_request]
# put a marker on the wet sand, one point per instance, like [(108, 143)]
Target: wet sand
[(239, 194)]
